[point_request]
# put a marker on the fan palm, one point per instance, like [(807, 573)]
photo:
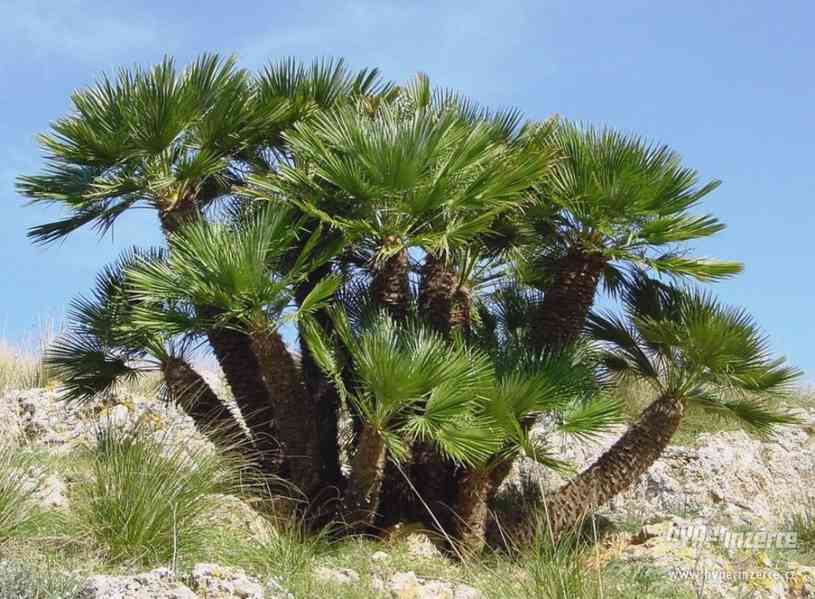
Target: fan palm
[(525, 388), (390, 182), (178, 142), (243, 274), (407, 384), (694, 353), (614, 202), (104, 346)]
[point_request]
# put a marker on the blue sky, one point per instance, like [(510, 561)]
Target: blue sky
[(727, 84)]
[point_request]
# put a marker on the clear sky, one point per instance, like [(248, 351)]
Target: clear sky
[(728, 84)]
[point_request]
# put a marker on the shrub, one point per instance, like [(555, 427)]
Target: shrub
[(25, 581), (146, 502)]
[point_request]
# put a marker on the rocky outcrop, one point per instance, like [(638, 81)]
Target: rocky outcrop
[(729, 477)]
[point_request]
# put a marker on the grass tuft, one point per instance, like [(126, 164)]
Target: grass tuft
[(802, 523), (148, 504), (20, 513)]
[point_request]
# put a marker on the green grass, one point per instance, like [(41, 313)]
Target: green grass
[(19, 511), (146, 504), (802, 522)]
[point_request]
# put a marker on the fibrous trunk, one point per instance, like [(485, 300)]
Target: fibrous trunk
[(390, 286), (471, 511), (234, 353), (613, 472), (295, 421), (361, 498), (192, 394), (443, 301), (567, 300), (323, 394), (182, 212)]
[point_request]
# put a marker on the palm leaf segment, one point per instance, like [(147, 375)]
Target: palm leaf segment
[(625, 200), (688, 345), (244, 271)]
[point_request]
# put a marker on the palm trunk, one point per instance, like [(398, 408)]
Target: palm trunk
[(294, 413), (471, 511), (234, 353), (442, 301), (391, 287), (367, 471), (446, 305), (211, 417), (613, 472), (323, 394), (567, 301), (461, 313), (436, 291), (434, 478), (183, 212)]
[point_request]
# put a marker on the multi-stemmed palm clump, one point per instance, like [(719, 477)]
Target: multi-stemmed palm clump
[(436, 260)]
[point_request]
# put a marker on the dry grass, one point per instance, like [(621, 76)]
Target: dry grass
[(20, 370), (21, 364)]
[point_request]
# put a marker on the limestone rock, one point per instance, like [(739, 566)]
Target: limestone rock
[(420, 545), (406, 585), (218, 582), (157, 584)]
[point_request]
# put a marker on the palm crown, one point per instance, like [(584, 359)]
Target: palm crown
[(689, 346), (625, 201), (430, 179), (176, 141)]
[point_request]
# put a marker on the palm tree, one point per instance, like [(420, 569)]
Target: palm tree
[(413, 176), (527, 387), (408, 383), (104, 346), (243, 272), (694, 353), (179, 143), (392, 181), (614, 202)]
